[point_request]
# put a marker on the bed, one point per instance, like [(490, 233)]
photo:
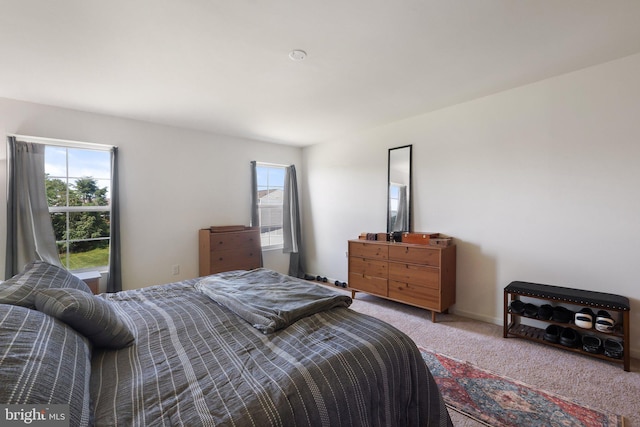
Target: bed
[(241, 348)]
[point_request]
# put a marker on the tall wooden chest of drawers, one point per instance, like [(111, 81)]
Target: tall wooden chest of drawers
[(229, 248), (419, 275)]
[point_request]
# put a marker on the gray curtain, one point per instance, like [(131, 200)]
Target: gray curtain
[(255, 216), (114, 280), (291, 224), (30, 233)]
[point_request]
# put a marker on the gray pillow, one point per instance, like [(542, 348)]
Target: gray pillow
[(21, 288), (44, 361), (92, 316)]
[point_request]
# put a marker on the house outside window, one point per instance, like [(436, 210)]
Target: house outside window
[(270, 198), (78, 182)]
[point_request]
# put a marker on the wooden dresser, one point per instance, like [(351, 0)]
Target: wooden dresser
[(419, 275), (229, 248)]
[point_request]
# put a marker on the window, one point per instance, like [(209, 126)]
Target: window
[(270, 197), (78, 181)]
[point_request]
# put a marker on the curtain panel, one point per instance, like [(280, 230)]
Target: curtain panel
[(255, 215), (291, 228), (30, 234), (114, 279)]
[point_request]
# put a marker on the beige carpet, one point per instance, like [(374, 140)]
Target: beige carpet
[(591, 382)]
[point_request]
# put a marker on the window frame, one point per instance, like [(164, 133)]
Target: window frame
[(76, 145), (269, 246)]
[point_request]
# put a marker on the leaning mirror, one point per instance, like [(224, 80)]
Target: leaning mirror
[(399, 189)]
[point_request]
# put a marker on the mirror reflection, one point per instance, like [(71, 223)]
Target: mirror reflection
[(399, 189)]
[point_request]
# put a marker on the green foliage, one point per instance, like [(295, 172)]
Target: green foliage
[(56, 191), (88, 192), (81, 225)]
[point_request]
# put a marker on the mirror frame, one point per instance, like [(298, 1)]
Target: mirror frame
[(410, 189)]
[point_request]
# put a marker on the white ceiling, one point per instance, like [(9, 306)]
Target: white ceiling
[(222, 65)]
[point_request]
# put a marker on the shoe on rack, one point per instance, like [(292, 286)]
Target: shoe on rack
[(592, 344), (584, 318), (613, 348), (570, 338), (545, 312), (530, 310), (552, 333), (517, 306), (604, 322), (562, 314)]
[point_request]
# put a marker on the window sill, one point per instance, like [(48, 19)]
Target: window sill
[(91, 278)]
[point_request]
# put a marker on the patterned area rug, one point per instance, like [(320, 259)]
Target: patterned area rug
[(499, 401)]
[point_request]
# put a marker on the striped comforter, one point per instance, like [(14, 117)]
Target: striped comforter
[(196, 363)]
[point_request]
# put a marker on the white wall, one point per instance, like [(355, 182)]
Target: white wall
[(539, 183), (173, 181)]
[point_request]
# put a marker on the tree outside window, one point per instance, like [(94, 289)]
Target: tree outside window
[(77, 184)]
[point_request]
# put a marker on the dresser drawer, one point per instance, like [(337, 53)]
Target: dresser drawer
[(234, 259), (417, 274), (369, 250), (421, 296), (240, 239), (369, 284), (369, 267), (415, 254)]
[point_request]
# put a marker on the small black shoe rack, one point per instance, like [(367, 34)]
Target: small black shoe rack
[(561, 295)]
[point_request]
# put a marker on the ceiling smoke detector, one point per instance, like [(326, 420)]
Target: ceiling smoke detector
[(297, 55)]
